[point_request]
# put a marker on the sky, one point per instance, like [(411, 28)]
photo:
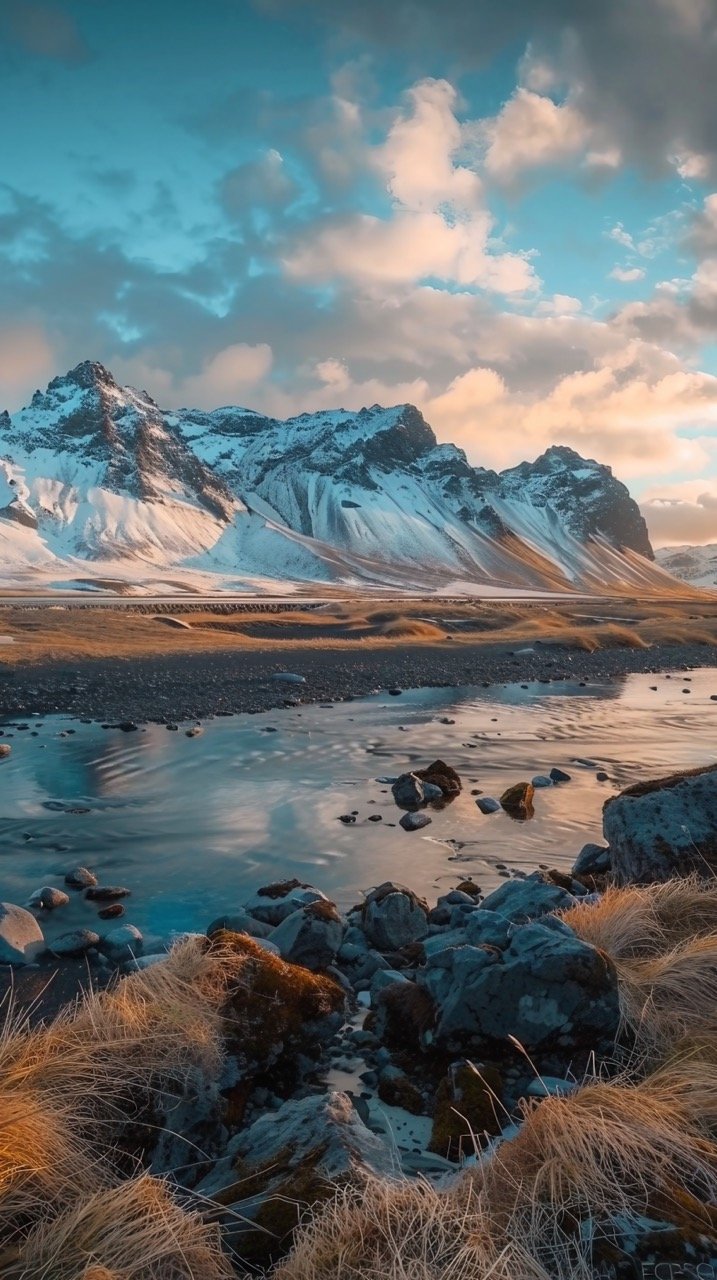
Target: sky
[(504, 213)]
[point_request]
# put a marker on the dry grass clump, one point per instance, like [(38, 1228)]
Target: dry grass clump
[(66, 1087), (134, 1231), (644, 920), (609, 1148), (400, 1230), (667, 998)]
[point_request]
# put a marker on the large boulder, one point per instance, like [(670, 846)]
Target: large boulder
[(522, 900), (21, 938), (664, 828), (393, 916), (286, 1162), (310, 936), (408, 792), (547, 988)]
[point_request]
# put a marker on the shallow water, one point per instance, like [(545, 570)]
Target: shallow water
[(192, 825)]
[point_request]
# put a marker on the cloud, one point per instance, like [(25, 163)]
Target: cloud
[(530, 132), (44, 30), (262, 183), (627, 275), (641, 72), (681, 513), (438, 226)]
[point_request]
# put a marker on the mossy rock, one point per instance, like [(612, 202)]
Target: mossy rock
[(467, 1109), (398, 1091)]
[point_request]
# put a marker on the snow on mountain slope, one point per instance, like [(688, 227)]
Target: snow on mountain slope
[(92, 473), (695, 565)]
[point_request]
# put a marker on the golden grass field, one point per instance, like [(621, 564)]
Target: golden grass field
[(59, 633)]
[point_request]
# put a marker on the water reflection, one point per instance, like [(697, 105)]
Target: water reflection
[(191, 824)]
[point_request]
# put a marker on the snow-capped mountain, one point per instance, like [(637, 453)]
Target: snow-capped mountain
[(695, 565), (96, 481)]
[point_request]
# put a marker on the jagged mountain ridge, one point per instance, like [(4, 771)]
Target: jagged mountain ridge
[(91, 472)]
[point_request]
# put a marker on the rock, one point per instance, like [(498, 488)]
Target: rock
[(394, 916), (80, 878), (288, 677), (48, 898), (123, 943), (289, 1159), (404, 1016), (408, 791), (395, 693), (414, 821), (21, 938), (396, 1090), (106, 893), (602, 776), (441, 775), (310, 936), (274, 902), (5, 750), (195, 732), (548, 989), (664, 828), (559, 775), (593, 860), (127, 726), (542, 780), (518, 801), (467, 1109), (112, 912), (487, 804), (348, 819), (75, 943), (385, 978), (528, 899), (240, 921), (487, 928)]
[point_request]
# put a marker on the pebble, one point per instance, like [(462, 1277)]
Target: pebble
[(75, 943), (48, 898), (105, 893)]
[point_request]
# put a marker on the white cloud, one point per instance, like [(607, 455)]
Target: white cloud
[(531, 131), (626, 275), (420, 154), (621, 236)]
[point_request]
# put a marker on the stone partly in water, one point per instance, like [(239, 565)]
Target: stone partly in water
[(123, 943), (408, 791), (274, 902), (106, 893), (21, 938), (442, 775), (559, 775), (665, 828), (80, 878), (48, 898), (76, 943), (5, 750), (548, 989), (414, 821), (393, 916), (487, 804), (310, 936), (518, 801)]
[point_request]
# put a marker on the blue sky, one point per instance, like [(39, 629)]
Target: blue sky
[(505, 214)]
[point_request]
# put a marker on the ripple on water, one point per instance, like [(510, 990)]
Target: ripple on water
[(190, 825)]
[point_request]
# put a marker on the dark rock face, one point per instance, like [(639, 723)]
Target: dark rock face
[(664, 828), (585, 494), (547, 988)]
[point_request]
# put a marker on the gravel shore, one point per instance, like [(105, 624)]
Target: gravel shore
[(195, 687)]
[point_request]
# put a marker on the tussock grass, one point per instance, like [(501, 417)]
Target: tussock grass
[(400, 1230), (134, 1231), (667, 998), (646, 920)]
